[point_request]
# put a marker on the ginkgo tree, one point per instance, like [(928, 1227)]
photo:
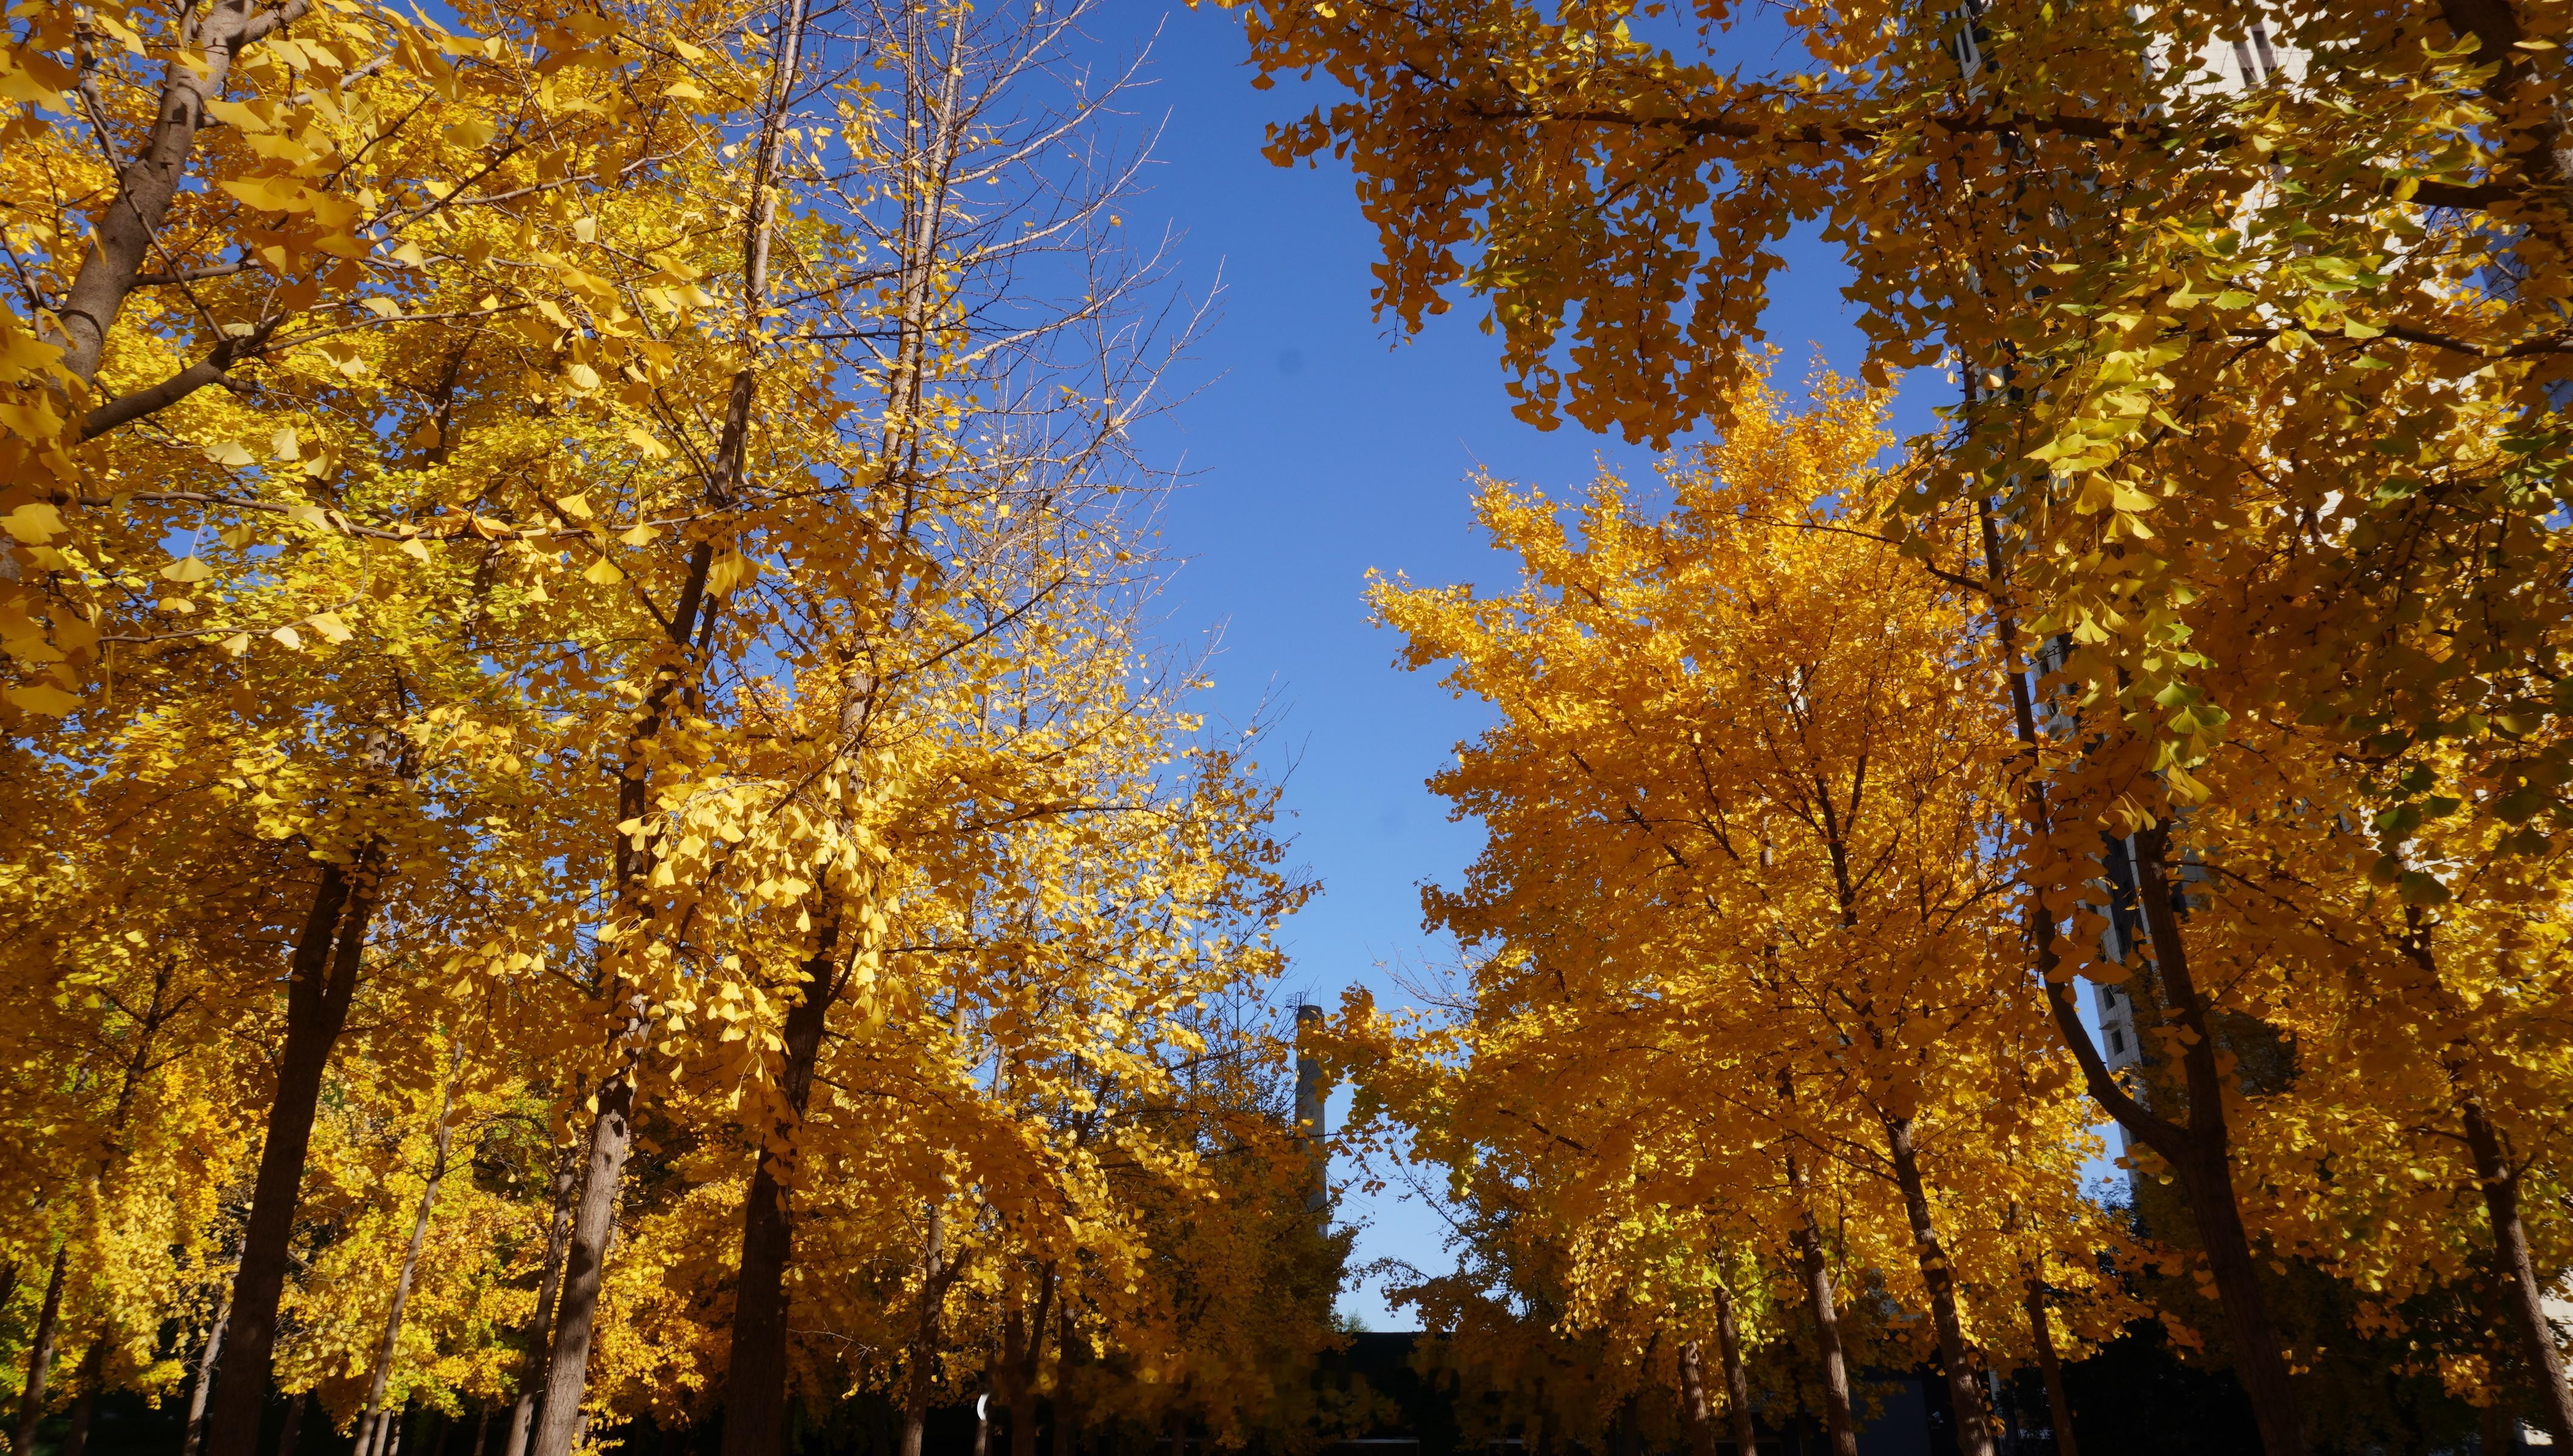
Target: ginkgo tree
[(1742, 939)]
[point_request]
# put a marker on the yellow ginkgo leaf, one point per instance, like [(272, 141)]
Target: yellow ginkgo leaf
[(35, 524), (45, 698)]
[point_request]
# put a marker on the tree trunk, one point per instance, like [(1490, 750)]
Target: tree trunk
[(1067, 1413), (635, 855), (93, 1371), (2521, 1288), (386, 1348), (2199, 1151), (1018, 1395), (332, 945), (754, 1422), (924, 1349), (2051, 1370), (522, 1412), (1737, 1379), (1808, 1239), (1025, 1361), (1974, 1423), (204, 1386), (146, 184), (2207, 1168), (288, 1438), (1693, 1408), (612, 1139), (40, 1356)]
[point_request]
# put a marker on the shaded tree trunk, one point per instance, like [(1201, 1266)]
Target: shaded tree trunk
[(2059, 1406), (522, 1412), (1965, 1397), (2206, 1167), (292, 1435), (1808, 1239), (40, 1356), (2521, 1288), (1694, 1413), (386, 1348), (1023, 1359), (1067, 1412), (1737, 1378), (919, 1380), (2199, 1149), (754, 1422), (93, 1371), (325, 979), (1627, 1436), (204, 1386), (594, 1220)]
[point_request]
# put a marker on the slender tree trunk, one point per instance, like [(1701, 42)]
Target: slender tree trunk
[(92, 1372), (1018, 1393), (148, 181), (522, 1412), (917, 1383), (1627, 1438), (2521, 1288), (288, 1438), (1025, 1361), (2059, 1406), (2199, 1149), (611, 1137), (1737, 1379), (2497, 1431), (387, 1349), (1067, 1413), (754, 1422), (557, 1421), (2207, 1168), (1694, 1413), (40, 1356), (1964, 1396), (1808, 1239), (204, 1386), (326, 966)]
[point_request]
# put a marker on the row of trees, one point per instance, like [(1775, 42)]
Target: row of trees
[(2214, 657), (594, 827), (1755, 1082)]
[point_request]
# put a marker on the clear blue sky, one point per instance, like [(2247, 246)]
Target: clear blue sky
[(1319, 445)]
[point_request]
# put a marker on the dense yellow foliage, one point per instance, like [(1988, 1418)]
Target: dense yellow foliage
[(589, 811)]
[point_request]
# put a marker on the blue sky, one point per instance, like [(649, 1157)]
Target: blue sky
[(1319, 445)]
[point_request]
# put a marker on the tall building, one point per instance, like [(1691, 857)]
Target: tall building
[(1312, 1100)]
